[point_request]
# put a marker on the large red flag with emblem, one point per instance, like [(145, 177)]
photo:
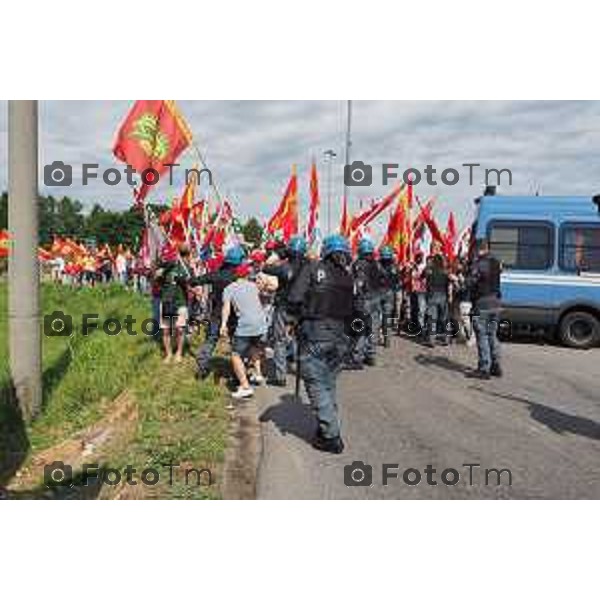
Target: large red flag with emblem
[(152, 136), (285, 218)]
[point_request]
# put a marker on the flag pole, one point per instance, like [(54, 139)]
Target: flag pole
[(348, 145)]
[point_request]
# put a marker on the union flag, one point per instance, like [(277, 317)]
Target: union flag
[(152, 136), (285, 218)]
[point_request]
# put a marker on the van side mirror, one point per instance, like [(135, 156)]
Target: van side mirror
[(596, 201)]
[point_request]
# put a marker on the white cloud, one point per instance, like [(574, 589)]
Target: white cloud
[(251, 145)]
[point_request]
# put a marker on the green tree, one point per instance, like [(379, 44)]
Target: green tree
[(4, 210), (253, 232)]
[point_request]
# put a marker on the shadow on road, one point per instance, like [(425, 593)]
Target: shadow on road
[(443, 362), (291, 416), (554, 419)]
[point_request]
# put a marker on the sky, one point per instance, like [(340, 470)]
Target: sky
[(550, 146)]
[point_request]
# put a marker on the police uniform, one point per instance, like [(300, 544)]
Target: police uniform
[(322, 297), (282, 318), (436, 277), (389, 294), (484, 280), (370, 285)]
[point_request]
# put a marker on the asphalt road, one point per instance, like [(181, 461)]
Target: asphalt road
[(416, 408)]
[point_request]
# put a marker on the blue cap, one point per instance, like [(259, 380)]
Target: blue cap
[(386, 253), (297, 245), (235, 256), (335, 243), (365, 247)]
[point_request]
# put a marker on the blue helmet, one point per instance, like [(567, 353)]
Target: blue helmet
[(335, 243), (297, 245), (365, 247), (386, 253), (235, 256)]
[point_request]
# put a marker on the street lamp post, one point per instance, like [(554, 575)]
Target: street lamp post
[(23, 271), (330, 155)]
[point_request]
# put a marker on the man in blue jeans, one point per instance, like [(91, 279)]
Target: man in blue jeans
[(484, 281)]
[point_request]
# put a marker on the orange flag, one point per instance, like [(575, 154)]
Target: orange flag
[(285, 218), (312, 227), (4, 243)]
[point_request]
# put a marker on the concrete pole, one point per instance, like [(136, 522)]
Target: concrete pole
[(23, 270)]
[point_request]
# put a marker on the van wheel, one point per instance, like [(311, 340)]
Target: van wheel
[(579, 330)]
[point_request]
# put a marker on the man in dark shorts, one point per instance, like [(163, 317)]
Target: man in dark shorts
[(243, 296)]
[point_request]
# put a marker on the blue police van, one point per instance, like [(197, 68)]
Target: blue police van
[(549, 247)]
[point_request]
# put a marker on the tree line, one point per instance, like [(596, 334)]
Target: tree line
[(65, 217)]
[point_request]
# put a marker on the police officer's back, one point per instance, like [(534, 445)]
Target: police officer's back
[(322, 296)]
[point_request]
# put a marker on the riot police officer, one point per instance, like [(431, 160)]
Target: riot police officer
[(323, 298), (391, 289), (369, 280), (484, 282), (218, 281), (437, 281), (286, 271)]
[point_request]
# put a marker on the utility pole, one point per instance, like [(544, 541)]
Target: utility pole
[(330, 155), (23, 270), (348, 144)]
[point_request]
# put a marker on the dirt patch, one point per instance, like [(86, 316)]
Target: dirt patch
[(243, 454), (84, 446)]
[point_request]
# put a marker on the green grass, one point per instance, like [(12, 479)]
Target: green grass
[(180, 421)]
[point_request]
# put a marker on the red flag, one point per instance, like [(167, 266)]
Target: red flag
[(4, 243), (369, 214), (450, 238), (313, 214), (285, 218), (430, 221), (345, 222), (153, 135), (398, 230)]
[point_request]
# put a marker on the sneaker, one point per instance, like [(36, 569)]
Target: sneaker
[(256, 379), (496, 370), (332, 445), (242, 393), (370, 361)]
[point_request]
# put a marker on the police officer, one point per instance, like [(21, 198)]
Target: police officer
[(484, 281), (322, 297), (436, 277), (391, 289), (218, 281), (286, 271), (369, 280)]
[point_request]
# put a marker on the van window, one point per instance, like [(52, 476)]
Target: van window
[(523, 245), (580, 247)]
